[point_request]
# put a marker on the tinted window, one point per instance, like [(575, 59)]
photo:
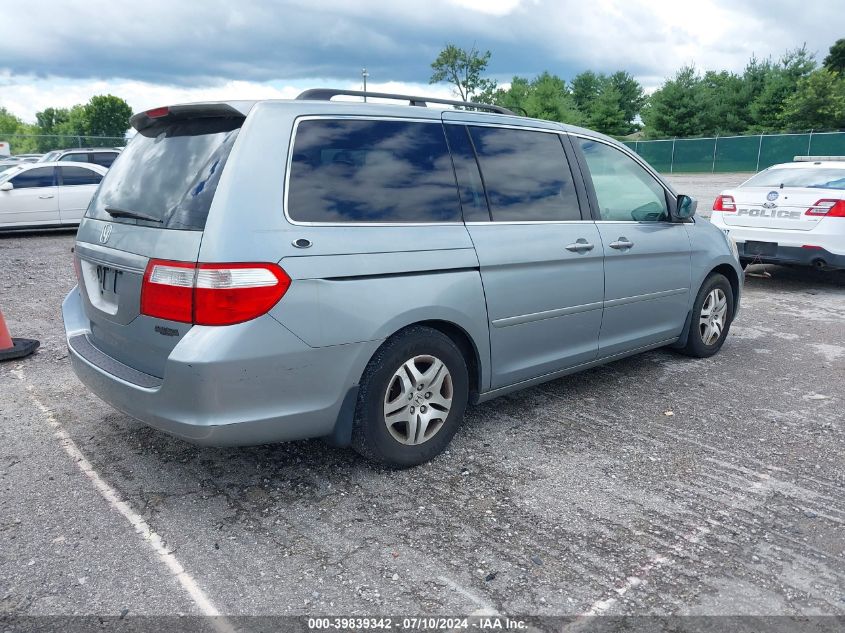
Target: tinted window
[(103, 158), (79, 176), (79, 158), (470, 186), (812, 177), (371, 171), (526, 175), (169, 171), (38, 177), (624, 189)]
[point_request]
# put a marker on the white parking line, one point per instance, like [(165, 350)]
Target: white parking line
[(200, 599)]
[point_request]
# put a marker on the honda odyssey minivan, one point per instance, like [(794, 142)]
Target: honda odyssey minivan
[(254, 272)]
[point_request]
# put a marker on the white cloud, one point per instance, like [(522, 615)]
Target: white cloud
[(24, 96)]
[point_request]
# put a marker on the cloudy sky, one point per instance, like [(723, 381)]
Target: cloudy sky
[(158, 52)]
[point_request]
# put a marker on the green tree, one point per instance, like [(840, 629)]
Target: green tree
[(675, 108), (631, 97), (544, 97), (10, 127), (589, 87), (724, 104), (780, 82), (463, 69), (606, 115), (107, 115), (835, 59), (818, 103), (586, 87)]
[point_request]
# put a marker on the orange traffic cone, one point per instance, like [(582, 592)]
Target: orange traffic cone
[(14, 347)]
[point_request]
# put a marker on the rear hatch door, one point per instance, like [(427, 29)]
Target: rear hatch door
[(781, 196), (767, 208), (152, 204)]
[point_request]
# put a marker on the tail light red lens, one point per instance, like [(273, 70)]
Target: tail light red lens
[(211, 294), (828, 208), (725, 204)]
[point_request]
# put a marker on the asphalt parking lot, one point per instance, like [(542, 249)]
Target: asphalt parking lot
[(655, 485)]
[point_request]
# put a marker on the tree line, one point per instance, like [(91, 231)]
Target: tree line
[(57, 128), (790, 94)]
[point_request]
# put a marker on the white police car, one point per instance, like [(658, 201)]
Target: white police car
[(792, 213)]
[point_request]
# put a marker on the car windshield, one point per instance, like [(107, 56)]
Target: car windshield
[(46, 158), (810, 177)]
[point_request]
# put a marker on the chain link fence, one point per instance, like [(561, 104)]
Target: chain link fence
[(40, 143), (736, 153)]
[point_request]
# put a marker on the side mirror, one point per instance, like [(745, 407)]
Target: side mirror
[(7, 186), (685, 207)]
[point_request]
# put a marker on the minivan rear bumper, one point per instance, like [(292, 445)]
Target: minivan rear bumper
[(246, 384)]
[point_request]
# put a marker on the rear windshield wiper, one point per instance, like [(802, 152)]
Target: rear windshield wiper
[(116, 212)]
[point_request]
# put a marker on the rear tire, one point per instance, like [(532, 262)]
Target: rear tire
[(412, 398), (712, 314)]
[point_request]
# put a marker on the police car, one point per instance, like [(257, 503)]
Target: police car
[(792, 213)]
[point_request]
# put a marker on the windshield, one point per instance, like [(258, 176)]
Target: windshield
[(168, 173), (810, 177), (49, 156)]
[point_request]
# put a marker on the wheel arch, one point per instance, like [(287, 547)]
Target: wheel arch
[(733, 278)]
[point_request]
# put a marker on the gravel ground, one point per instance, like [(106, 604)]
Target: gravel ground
[(654, 485)]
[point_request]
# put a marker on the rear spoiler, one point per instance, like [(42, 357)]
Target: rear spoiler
[(816, 159), (229, 110)]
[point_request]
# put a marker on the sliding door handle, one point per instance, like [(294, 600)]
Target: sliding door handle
[(580, 246), (623, 243)]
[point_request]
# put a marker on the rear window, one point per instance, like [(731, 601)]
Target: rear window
[(810, 177), (371, 171), (169, 172)]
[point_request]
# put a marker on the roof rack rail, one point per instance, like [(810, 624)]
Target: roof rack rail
[(326, 94)]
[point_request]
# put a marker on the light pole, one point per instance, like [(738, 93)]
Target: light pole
[(365, 74)]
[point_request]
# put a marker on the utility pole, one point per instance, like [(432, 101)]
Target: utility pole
[(365, 74)]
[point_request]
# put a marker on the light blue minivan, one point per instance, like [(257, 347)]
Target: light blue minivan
[(254, 272)]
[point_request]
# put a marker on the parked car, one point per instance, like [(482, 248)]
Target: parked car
[(104, 156), (254, 272), (46, 194), (791, 213)]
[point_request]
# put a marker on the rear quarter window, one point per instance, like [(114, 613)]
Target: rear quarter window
[(371, 171)]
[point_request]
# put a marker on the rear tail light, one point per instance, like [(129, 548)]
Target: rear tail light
[(211, 294), (828, 208), (726, 204)]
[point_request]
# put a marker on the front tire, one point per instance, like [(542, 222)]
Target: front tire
[(412, 398), (712, 313)]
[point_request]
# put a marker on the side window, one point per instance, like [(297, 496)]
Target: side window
[(526, 174), (79, 176), (78, 158), (470, 186), (38, 177), (103, 158), (625, 191), (348, 170)]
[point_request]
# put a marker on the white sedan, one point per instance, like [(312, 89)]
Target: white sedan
[(792, 213), (47, 194)]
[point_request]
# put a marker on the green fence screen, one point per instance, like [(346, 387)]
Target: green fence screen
[(736, 153)]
